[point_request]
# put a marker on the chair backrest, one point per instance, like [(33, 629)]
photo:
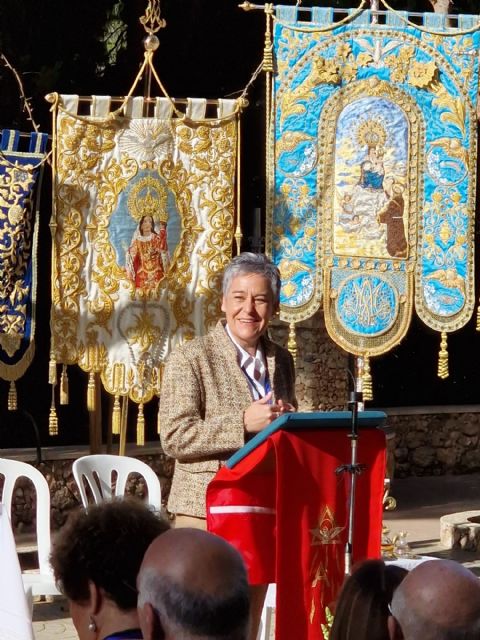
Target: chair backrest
[(97, 470), (267, 620), (12, 470)]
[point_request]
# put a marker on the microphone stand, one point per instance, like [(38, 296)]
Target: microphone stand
[(353, 468)]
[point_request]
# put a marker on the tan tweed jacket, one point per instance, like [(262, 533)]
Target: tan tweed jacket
[(203, 397)]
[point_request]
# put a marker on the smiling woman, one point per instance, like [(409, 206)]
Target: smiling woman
[(248, 306), (220, 388)]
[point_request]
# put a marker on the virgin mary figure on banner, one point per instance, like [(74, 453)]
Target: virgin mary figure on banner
[(147, 258), (370, 165)]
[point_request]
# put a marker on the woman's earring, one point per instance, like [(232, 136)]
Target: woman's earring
[(92, 625)]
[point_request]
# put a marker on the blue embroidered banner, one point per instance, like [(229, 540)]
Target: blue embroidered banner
[(372, 173), (20, 173)]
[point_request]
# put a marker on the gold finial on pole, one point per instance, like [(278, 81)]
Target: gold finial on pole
[(246, 6), (151, 20), (152, 23)]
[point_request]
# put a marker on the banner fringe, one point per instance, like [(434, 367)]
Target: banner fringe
[(443, 372), (64, 386), (12, 397), (140, 426), (116, 416), (91, 392), (367, 388)]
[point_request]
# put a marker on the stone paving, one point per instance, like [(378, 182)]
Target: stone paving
[(420, 504), (51, 621)]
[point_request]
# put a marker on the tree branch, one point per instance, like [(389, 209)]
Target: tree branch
[(26, 103)]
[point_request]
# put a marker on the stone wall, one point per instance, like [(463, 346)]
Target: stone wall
[(436, 444), (321, 366)]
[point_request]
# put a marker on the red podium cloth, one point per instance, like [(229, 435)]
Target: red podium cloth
[(286, 510)]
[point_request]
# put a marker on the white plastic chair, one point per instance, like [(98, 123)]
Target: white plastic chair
[(15, 606), (41, 583), (268, 613), (97, 470)]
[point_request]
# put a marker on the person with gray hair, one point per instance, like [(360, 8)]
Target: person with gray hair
[(438, 600), (220, 389), (192, 585), (257, 263)]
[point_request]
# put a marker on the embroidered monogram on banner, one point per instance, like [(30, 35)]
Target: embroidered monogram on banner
[(372, 173), (143, 228)]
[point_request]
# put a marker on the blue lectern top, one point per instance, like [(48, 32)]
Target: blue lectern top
[(313, 420)]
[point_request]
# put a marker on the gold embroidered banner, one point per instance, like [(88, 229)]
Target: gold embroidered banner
[(142, 228), (20, 177), (372, 173)]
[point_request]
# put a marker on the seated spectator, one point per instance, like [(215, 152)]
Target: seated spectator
[(96, 558), (361, 612), (192, 585), (438, 600)]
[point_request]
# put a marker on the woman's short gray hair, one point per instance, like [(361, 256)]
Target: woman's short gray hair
[(258, 263)]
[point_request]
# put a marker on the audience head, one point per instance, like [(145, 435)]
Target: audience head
[(361, 611), (438, 600), (96, 557), (193, 585)]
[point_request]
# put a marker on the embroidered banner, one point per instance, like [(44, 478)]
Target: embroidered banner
[(20, 177), (143, 226), (372, 173)]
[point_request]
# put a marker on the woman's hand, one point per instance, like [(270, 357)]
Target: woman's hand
[(286, 407), (261, 413)]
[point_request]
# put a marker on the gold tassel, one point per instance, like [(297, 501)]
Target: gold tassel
[(64, 385), (443, 357), (478, 318), (53, 421), (12, 397), (52, 370), (116, 416), (268, 48), (367, 380), (140, 426), (91, 392), (292, 342)]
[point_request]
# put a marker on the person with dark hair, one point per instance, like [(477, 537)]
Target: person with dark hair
[(193, 584), (220, 389), (361, 611), (438, 600), (96, 557)]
